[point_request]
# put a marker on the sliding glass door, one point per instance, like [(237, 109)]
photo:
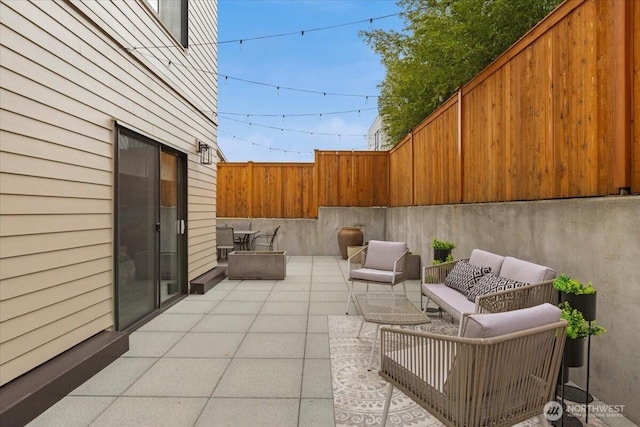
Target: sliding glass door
[(150, 211), (171, 226)]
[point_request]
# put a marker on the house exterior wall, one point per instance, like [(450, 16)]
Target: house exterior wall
[(69, 71), (376, 137)]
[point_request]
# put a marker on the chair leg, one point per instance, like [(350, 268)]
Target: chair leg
[(360, 330), (404, 288), (387, 403), (349, 299), (373, 346)]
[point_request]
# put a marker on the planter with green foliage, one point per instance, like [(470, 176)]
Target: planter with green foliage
[(442, 251), (581, 296), (577, 330)]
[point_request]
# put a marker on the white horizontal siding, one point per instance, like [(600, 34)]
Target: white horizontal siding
[(41, 353), (66, 76)]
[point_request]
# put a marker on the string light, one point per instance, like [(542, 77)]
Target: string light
[(292, 33), (277, 87), (255, 144), (248, 115), (280, 87), (282, 150), (339, 135)]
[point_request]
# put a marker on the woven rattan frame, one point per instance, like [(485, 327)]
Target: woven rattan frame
[(496, 302), (473, 382)]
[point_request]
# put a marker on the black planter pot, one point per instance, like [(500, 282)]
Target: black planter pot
[(574, 352), (584, 303), (441, 254)]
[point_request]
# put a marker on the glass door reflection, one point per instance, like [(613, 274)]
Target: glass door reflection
[(171, 226)]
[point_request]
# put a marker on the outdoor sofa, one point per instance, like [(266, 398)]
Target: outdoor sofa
[(486, 283)]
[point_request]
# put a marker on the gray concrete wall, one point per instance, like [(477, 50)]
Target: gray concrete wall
[(320, 237), (596, 239)]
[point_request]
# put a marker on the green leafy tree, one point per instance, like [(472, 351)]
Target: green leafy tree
[(444, 44)]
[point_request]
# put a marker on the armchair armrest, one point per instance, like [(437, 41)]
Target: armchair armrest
[(513, 299), (438, 272), (361, 254), (415, 360), (401, 261)]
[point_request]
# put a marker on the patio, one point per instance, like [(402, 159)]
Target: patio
[(246, 353)]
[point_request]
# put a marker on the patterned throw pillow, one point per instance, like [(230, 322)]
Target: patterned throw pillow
[(464, 276), (492, 283)]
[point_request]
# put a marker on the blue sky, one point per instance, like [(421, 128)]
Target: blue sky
[(334, 61)]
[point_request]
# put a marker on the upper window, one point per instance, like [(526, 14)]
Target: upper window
[(173, 14)]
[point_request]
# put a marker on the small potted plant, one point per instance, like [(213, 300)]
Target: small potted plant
[(442, 251), (581, 296), (577, 330)]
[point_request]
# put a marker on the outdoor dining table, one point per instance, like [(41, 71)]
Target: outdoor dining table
[(246, 236)]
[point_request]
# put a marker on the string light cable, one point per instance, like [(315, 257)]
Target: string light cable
[(339, 135), (170, 63), (291, 33), (255, 144), (248, 115)]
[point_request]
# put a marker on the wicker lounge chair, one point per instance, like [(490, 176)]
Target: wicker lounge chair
[(501, 371)]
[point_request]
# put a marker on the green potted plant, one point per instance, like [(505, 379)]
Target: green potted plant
[(577, 330), (442, 250), (581, 296)]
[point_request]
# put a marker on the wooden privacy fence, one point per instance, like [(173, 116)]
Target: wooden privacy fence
[(295, 190), (553, 117)]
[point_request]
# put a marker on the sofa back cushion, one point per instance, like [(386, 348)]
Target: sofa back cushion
[(496, 324), (381, 255), (525, 271), (481, 258)]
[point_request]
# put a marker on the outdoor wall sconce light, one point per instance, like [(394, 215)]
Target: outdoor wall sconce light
[(205, 153)]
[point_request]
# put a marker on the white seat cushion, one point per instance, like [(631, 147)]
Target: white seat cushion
[(448, 299), (371, 275), (525, 271)]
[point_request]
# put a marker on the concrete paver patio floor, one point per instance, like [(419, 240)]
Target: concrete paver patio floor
[(247, 353)]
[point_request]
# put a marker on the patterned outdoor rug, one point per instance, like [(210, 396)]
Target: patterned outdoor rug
[(358, 395)]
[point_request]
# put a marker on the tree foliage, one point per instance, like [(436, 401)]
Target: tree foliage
[(443, 45)]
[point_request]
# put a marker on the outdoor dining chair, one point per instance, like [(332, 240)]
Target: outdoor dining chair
[(224, 241), (266, 240), (242, 242), (385, 263)]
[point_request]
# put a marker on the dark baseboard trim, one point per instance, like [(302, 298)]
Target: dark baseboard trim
[(29, 395), (203, 283)]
